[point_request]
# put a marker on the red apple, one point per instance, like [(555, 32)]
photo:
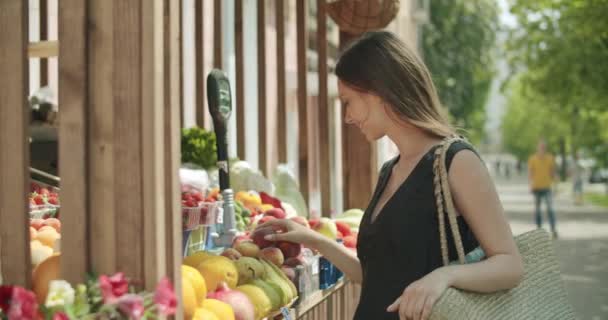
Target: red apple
[(290, 249), (313, 223), (275, 212), (258, 237), (273, 255), (343, 228), (301, 220), (239, 239), (36, 223), (295, 261), (289, 272), (55, 223), (350, 241), (265, 219)]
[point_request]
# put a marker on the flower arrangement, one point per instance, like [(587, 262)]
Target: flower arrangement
[(101, 298)]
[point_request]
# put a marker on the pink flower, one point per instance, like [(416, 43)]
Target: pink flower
[(60, 316), (165, 298), (131, 305), (23, 305), (113, 287), (6, 293)]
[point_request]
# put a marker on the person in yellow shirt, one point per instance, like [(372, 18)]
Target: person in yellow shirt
[(541, 171)]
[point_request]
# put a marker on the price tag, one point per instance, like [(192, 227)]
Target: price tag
[(286, 314), (315, 266), (220, 215)]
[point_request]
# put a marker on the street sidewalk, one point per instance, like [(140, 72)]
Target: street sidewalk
[(582, 247)]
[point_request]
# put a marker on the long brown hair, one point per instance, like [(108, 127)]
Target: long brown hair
[(380, 63)]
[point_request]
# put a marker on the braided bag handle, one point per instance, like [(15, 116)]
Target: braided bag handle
[(443, 195)]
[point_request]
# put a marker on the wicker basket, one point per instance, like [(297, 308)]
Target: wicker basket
[(358, 16)]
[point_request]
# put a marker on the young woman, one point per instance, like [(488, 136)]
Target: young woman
[(386, 90)]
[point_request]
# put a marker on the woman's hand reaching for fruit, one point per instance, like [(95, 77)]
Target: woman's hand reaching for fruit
[(287, 230)]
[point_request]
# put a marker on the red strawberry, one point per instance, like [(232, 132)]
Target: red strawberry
[(344, 228), (44, 191), (53, 201), (198, 196), (39, 200), (34, 187), (313, 223)]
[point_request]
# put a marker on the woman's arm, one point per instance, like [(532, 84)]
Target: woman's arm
[(339, 255), (476, 199)]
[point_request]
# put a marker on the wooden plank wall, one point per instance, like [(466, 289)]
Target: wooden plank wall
[(14, 146), (73, 138), (281, 85), (262, 101), (323, 109), (239, 86), (302, 46), (340, 304), (122, 138), (199, 64), (171, 131)]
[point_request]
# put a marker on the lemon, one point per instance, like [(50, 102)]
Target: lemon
[(218, 269), (221, 309), (188, 298), (196, 258), (197, 281), (204, 314)]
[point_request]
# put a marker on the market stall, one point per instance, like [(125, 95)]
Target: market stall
[(125, 196)]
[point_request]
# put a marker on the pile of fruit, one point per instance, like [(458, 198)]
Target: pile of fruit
[(45, 236), (42, 195), (234, 285)]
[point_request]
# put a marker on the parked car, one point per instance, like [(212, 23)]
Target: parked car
[(598, 175)]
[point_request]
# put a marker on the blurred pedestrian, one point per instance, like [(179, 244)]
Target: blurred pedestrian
[(576, 173), (541, 171)]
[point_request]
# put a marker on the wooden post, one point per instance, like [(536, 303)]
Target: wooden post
[(199, 64), (44, 35), (172, 107), (281, 84), (359, 158), (262, 115), (217, 34), (115, 90), (73, 135), (240, 78), (302, 46), (14, 147), (323, 110)]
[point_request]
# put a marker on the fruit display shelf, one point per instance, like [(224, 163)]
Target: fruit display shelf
[(281, 312), (315, 299)]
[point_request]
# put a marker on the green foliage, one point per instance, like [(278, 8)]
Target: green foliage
[(457, 46), (560, 48), (528, 118), (199, 147)]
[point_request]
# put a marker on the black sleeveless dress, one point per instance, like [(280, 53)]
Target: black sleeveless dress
[(402, 244)]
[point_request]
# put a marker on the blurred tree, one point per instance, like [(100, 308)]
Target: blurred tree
[(561, 47), (458, 45)]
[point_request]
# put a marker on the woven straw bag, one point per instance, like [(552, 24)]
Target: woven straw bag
[(541, 295), (358, 16)]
